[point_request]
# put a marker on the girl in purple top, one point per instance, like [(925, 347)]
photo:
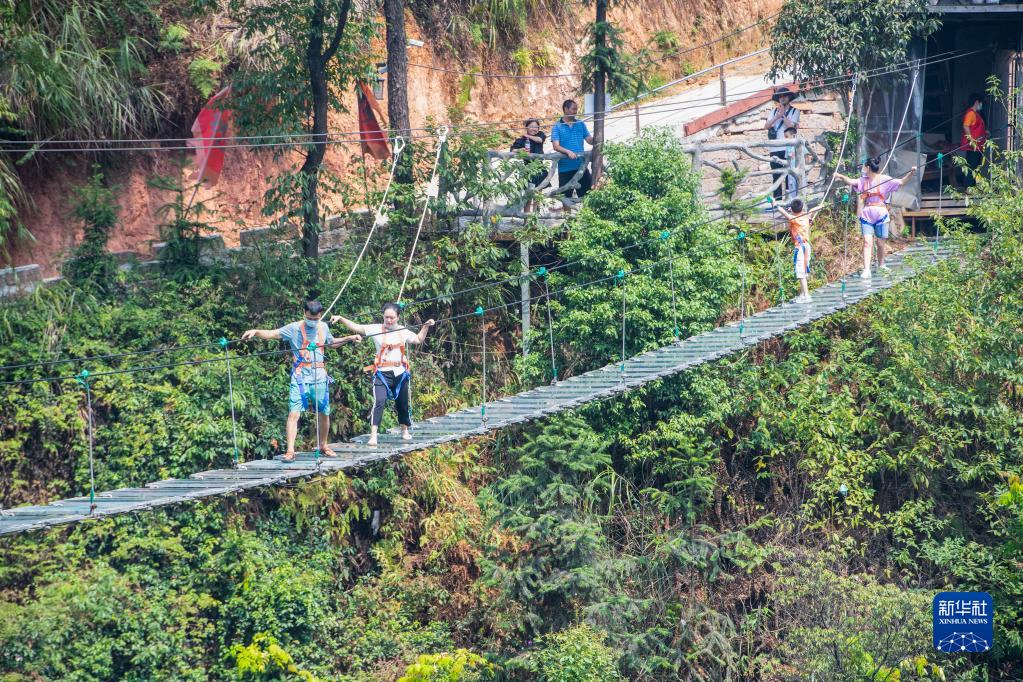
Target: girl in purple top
[(873, 190)]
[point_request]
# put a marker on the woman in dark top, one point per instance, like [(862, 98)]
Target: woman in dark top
[(532, 141)]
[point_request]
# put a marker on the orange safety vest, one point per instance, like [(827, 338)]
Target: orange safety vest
[(304, 358)]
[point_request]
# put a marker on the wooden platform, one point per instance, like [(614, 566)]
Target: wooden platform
[(932, 206), (531, 405)]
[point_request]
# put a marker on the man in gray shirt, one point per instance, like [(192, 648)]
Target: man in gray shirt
[(309, 381)]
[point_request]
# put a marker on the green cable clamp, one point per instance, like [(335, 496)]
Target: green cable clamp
[(845, 197), (941, 158), (843, 490), (479, 310), (401, 305), (223, 342), (311, 347), (83, 378), (542, 272), (741, 236), (665, 235), (620, 275)]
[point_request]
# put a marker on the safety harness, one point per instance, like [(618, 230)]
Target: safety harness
[(380, 364), (305, 358), (874, 193)]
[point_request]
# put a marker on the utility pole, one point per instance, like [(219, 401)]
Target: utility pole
[(599, 89), (397, 82)]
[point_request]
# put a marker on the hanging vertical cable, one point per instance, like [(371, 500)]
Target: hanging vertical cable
[(620, 277), (483, 329), (230, 391), (941, 191), (742, 285), (542, 272), (845, 238), (83, 379), (665, 236)]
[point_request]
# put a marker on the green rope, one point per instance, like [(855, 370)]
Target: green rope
[(83, 379), (781, 278)]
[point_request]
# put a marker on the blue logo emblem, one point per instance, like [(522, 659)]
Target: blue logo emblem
[(963, 622)]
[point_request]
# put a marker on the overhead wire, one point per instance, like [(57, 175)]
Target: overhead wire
[(352, 137)]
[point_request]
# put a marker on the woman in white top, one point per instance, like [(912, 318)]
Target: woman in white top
[(390, 368)]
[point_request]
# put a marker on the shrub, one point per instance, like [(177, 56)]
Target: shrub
[(578, 654)]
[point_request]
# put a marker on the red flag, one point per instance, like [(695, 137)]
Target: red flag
[(208, 132), (372, 138)]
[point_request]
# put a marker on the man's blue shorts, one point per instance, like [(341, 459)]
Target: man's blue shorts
[(316, 396), (880, 230)]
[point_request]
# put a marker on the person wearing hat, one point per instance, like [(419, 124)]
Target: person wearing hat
[(306, 339), (783, 117)]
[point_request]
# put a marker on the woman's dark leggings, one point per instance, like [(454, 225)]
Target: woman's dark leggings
[(384, 382)]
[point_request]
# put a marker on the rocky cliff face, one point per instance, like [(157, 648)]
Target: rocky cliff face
[(236, 201)]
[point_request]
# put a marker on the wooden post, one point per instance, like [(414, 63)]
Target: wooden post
[(637, 115), (524, 292), (801, 166), (724, 94)]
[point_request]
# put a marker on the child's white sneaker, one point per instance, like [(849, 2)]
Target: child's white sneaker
[(804, 299), (865, 274), (407, 435)]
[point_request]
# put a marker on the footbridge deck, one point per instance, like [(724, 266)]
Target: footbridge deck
[(523, 407)]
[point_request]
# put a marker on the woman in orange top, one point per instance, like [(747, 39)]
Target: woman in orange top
[(973, 139)]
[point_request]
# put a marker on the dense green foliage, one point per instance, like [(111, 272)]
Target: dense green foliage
[(693, 529), (817, 40)]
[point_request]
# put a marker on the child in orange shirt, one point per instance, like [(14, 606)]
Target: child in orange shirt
[(799, 229)]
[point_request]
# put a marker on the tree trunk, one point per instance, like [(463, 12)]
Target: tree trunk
[(310, 209), (599, 82), (316, 60), (397, 82)]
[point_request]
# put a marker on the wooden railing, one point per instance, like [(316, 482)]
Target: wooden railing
[(746, 160)]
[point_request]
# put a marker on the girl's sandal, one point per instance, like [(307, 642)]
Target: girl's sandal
[(288, 457)]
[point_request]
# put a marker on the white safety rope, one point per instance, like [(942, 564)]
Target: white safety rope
[(378, 221), (432, 192)]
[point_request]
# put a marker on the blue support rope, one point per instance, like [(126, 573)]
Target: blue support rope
[(316, 403), (83, 379), (230, 391)]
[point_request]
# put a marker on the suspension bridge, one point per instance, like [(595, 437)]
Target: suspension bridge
[(531, 405)]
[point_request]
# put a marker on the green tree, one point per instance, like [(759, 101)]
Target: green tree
[(647, 222), (544, 501), (305, 58), (814, 40), (96, 208), (577, 654)]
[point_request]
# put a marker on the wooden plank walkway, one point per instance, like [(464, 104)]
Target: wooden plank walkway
[(523, 407)]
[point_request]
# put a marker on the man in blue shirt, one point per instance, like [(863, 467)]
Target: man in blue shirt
[(309, 380), (568, 136)]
